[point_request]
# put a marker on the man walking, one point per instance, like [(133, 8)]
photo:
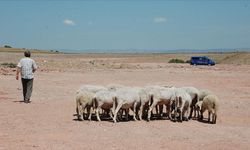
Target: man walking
[(26, 67)]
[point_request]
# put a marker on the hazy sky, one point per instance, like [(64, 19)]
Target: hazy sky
[(125, 24)]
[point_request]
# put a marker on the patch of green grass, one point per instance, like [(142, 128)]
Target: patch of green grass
[(9, 65)]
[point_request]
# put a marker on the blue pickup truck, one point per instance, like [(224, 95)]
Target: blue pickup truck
[(202, 60)]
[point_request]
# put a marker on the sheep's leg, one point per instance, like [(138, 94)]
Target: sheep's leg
[(79, 116), (168, 110), (215, 117), (184, 117), (160, 111), (157, 109), (181, 115), (140, 112), (126, 114), (201, 114), (89, 112), (187, 111), (116, 111), (150, 110), (97, 113), (111, 114), (191, 112), (134, 111), (120, 114), (81, 111), (209, 113), (175, 114), (195, 113), (198, 112)]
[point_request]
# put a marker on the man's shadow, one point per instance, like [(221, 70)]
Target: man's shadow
[(18, 101)]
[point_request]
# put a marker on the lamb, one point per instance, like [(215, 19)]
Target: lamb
[(210, 103), (194, 93), (125, 98), (84, 100), (161, 96), (103, 100), (203, 93), (182, 104)]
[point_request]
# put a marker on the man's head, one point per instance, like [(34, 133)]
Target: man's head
[(27, 53)]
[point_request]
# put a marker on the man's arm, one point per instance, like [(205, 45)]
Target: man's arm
[(34, 67), (17, 72)]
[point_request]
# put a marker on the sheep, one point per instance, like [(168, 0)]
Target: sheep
[(114, 87), (210, 103), (103, 100), (194, 93), (204, 93), (91, 88), (197, 109), (143, 102), (161, 96), (182, 104), (125, 98), (84, 100), (150, 90)]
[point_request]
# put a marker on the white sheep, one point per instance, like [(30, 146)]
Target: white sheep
[(161, 96), (125, 98), (143, 102), (194, 93), (84, 100), (210, 103), (182, 104), (114, 87), (91, 88), (103, 100)]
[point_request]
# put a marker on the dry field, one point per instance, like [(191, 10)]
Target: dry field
[(48, 122)]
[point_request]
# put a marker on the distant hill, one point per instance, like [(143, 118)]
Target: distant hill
[(21, 50)]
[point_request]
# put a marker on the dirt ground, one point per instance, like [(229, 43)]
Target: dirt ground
[(48, 122)]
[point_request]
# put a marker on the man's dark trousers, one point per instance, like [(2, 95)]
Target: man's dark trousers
[(27, 89)]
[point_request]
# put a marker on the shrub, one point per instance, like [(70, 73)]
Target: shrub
[(7, 46), (188, 61), (176, 61), (9, 65)]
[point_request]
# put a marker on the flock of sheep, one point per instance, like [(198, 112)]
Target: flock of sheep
[(114, 100)]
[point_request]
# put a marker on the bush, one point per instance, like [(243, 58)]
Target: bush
[(9, 65), (188, 61), (176, 61), (7, 46)]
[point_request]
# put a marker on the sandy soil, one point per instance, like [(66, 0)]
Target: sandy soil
[(48, 122)]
